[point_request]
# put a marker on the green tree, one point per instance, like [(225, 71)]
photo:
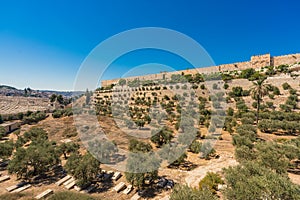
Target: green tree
[(1, 119), (141, 166), (2, 132), (286, 86), (164, 136), (195, 147), (258, 90), (38, 158), (87, 97), (67, 148), (84, 168), (139, 146), (53, 98), (142, 163), (60, 99), (140, 123), (122, 82)]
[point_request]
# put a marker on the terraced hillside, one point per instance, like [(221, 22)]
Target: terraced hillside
[(12, 105)]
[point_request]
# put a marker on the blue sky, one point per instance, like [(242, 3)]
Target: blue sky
[(43, 43)]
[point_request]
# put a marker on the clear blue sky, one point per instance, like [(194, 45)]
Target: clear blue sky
[(43, 43)]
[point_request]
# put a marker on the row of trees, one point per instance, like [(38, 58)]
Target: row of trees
[(35, 155), (272, 126), (262, 172)]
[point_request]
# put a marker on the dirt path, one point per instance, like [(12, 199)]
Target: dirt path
[(216, 165)]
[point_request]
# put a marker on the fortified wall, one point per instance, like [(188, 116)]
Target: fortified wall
[(256, 62)]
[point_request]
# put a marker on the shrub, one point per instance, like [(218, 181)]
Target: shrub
[(210, 182), (215, 86), (286, 86), (195, 147), (247, 73)]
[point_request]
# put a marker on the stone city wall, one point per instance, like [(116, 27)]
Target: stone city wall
[(256, 62)]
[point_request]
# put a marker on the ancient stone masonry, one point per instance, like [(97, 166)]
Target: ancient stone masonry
[(256, 62)]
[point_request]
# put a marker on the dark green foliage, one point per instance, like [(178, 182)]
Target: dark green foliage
[(140, 167), (129, 123), (173, 154), (53, 98), (246, 135), (229, 124), (178, 78), (241, 106), (247, 73), (161, 137), (258, 91), (236, 92), (67, 148), (62, 113), (142, 164), (60, 99), (122, 82), (35, 135), (211, 182), (283, 69), (253, 181), (181, 192), (286, 86), (226, 86), (34, 117), (243, 153), (270, 126), (195, 147), (139, 146), (140, 123), (83, 168), (37, 159), (6, 149), (2, 132), (276, 91), (230, 111), (273, 156)]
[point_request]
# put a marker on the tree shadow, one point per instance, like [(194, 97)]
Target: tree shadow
[(185, 166), (49, 178), (150, 192), (104, 186)]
